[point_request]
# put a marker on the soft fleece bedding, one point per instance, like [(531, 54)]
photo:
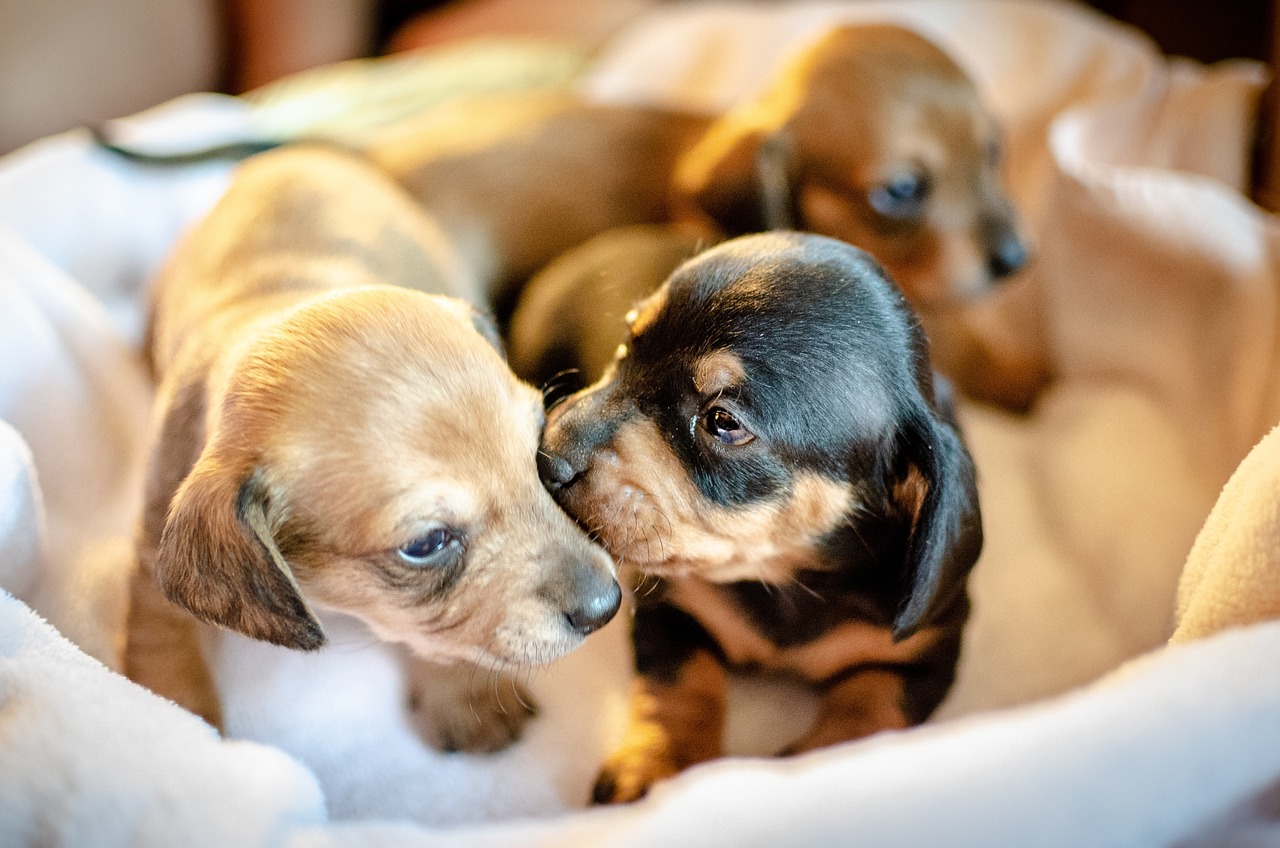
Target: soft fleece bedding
[(1073, 723)]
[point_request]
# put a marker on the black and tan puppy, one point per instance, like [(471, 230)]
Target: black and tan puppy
[(770, 445)]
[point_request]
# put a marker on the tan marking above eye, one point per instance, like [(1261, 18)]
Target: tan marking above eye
[(718, 371)]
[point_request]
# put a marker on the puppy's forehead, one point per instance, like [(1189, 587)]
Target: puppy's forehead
[(387, 399), (809, 324), (782, 283)]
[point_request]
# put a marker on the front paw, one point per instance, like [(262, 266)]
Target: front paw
[(629, 773), (458, 711)]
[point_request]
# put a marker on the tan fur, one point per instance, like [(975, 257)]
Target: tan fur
[(866, 703), (865, 101), (848, 645), (672, 726), (689, 535), (319, 408), (717, 371), (462, 708), (517, 184)]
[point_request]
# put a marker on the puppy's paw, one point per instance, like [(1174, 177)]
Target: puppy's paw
[(629, 772), (458, 711)]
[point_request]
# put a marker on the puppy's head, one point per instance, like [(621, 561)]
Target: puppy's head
[(371, 453), (873, 136), (774, 411)]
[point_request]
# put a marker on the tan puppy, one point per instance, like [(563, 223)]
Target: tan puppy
[(871, 135), (332, 438)]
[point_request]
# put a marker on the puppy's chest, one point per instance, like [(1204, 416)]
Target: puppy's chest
[(789, 629)]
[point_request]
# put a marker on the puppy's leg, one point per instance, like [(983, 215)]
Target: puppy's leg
[(464, 708), (865, 703), (162, 651), (677, 709), (674, 724)]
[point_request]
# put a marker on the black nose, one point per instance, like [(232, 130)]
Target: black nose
[(1009, 255), (556, 471), (596, 611)]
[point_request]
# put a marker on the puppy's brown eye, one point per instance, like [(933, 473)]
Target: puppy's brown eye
[(902, 197), (725, 428), (431, 548)]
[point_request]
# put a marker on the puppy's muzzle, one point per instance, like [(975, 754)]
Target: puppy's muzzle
[(1006, 252), (588, 597), (556, 471), (576, 430)]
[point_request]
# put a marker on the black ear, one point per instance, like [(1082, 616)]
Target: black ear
[(742, 179), (937, 489), (217, 558)]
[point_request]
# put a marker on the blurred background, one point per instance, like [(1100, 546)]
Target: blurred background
[(64, 63)]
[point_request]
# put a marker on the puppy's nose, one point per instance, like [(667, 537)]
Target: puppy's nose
[(1009, 255), (596, 610), (556, 471)]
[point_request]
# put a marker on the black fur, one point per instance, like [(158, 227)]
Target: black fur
[(837, 384)]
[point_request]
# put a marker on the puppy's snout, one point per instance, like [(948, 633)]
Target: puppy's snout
[(595, 610), (1008, 255), (586, 594), (556, 471), (575, 431)]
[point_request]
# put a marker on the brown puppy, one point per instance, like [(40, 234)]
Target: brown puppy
[(770, 445), (871, 135), (331, 438)]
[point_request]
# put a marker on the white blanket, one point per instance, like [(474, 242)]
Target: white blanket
[(1154, 296)]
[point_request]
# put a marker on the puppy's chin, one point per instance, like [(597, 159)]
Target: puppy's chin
[(504, 652)]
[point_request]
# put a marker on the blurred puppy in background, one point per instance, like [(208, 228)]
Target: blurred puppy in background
[(870, 134), (771, 446), (336, 437)]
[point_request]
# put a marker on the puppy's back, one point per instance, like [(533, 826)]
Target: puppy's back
[(295, 221)]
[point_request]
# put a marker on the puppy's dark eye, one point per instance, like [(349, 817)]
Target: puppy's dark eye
[(995, 152), (725, 428), (431, 548), (902, 197)]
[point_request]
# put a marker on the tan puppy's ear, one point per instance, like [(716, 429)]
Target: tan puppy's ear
[(740, 176), (217, 558)]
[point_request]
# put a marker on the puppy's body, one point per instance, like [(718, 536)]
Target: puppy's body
[(871, 135), (547, 178), (770, 446), (569, 320), (332, 437)]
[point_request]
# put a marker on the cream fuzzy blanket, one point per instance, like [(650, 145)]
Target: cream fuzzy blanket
[(1154, 297)]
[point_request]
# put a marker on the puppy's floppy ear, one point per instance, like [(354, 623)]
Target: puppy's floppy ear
[(217, 558), (741, 178), (936, 487)]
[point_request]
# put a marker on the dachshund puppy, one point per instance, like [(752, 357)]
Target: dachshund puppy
[(335, 436), (871, 134), (771, 446)]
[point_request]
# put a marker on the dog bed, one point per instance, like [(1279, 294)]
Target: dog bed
[(1118, 681)]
